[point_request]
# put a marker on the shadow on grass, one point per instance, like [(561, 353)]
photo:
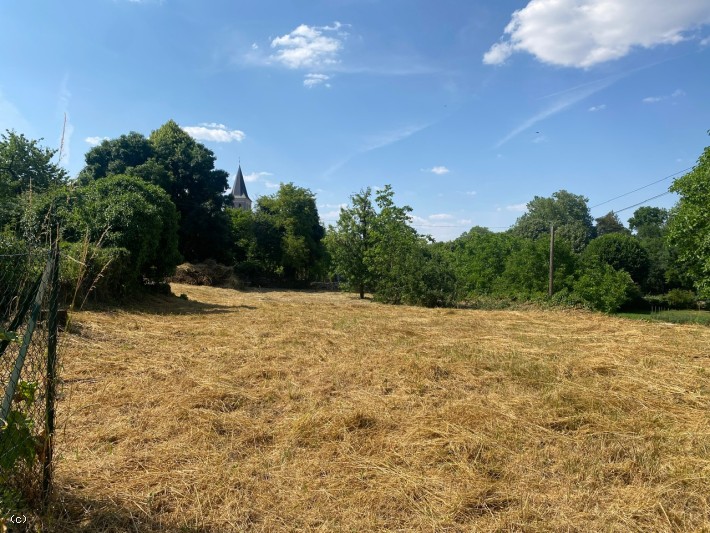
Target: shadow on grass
[(163, 304), (69, 513)]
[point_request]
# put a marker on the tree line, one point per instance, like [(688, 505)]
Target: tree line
[(142, 205)]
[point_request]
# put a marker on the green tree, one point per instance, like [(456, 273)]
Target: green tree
[(568, 212), (116, 156), (527, 268), (122, 212), (351, 240), (689, 225), (479, 257), (25, 168), (622, 252), (649, 222), (403, 266), (292, 210), (609, 223), (604, 288), (185, 169)]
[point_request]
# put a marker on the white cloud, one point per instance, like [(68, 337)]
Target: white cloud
[(705, 42), (272, 185), (308, 47), (254, 46), (471, 193), (597, 108), (583, 33), (441, 216), (440, 170), (95, 141), (256, 176), (334, 213), (678, 93), (311, 80), (211, 131), (517, 207)]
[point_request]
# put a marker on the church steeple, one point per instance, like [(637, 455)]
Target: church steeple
[(240, 198)]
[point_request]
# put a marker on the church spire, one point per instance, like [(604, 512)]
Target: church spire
[(240, 198)]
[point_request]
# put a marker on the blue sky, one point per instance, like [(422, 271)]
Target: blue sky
[(468, 108)]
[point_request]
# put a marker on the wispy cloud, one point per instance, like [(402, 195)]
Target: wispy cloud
[(256, 176), (441, 216), (583, 33), (595, 108), (518, 208), (312, 80), (387, 138), (377, 141), (95, 141), (211, 131), (565, 100), (470, 193), (439, 170), (678, 93)]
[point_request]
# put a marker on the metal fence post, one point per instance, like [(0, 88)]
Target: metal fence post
[(52, 334)]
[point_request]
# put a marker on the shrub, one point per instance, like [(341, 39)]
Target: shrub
[(118, 212), (604, 288), (674, 299), (680, 299)]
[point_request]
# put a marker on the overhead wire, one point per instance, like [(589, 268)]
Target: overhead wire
[(592, 207), (641, 188)]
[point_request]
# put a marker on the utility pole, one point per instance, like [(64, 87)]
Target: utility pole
[(552, 258)]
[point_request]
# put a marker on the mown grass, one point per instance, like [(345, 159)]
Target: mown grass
[(287, 411), (673, 316)]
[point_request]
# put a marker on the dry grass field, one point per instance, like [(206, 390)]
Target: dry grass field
[(292, 411)]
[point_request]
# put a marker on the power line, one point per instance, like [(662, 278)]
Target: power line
[(641, 188), (641, 203)]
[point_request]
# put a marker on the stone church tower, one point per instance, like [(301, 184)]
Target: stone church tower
[(240, 198)]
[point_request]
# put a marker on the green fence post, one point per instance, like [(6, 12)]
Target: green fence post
[(53, 328)]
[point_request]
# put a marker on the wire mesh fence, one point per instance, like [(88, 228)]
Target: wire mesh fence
[(29, 286)]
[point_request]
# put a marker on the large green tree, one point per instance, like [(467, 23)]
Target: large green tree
[(351, 240), (689, 226), (569, 214), (649, 222), (479, 256), (185, 169), (26, 168), (527, 267), (403, 266), (620, 251), (650, 225), (293, 212), (609, 223), (119, 213)]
